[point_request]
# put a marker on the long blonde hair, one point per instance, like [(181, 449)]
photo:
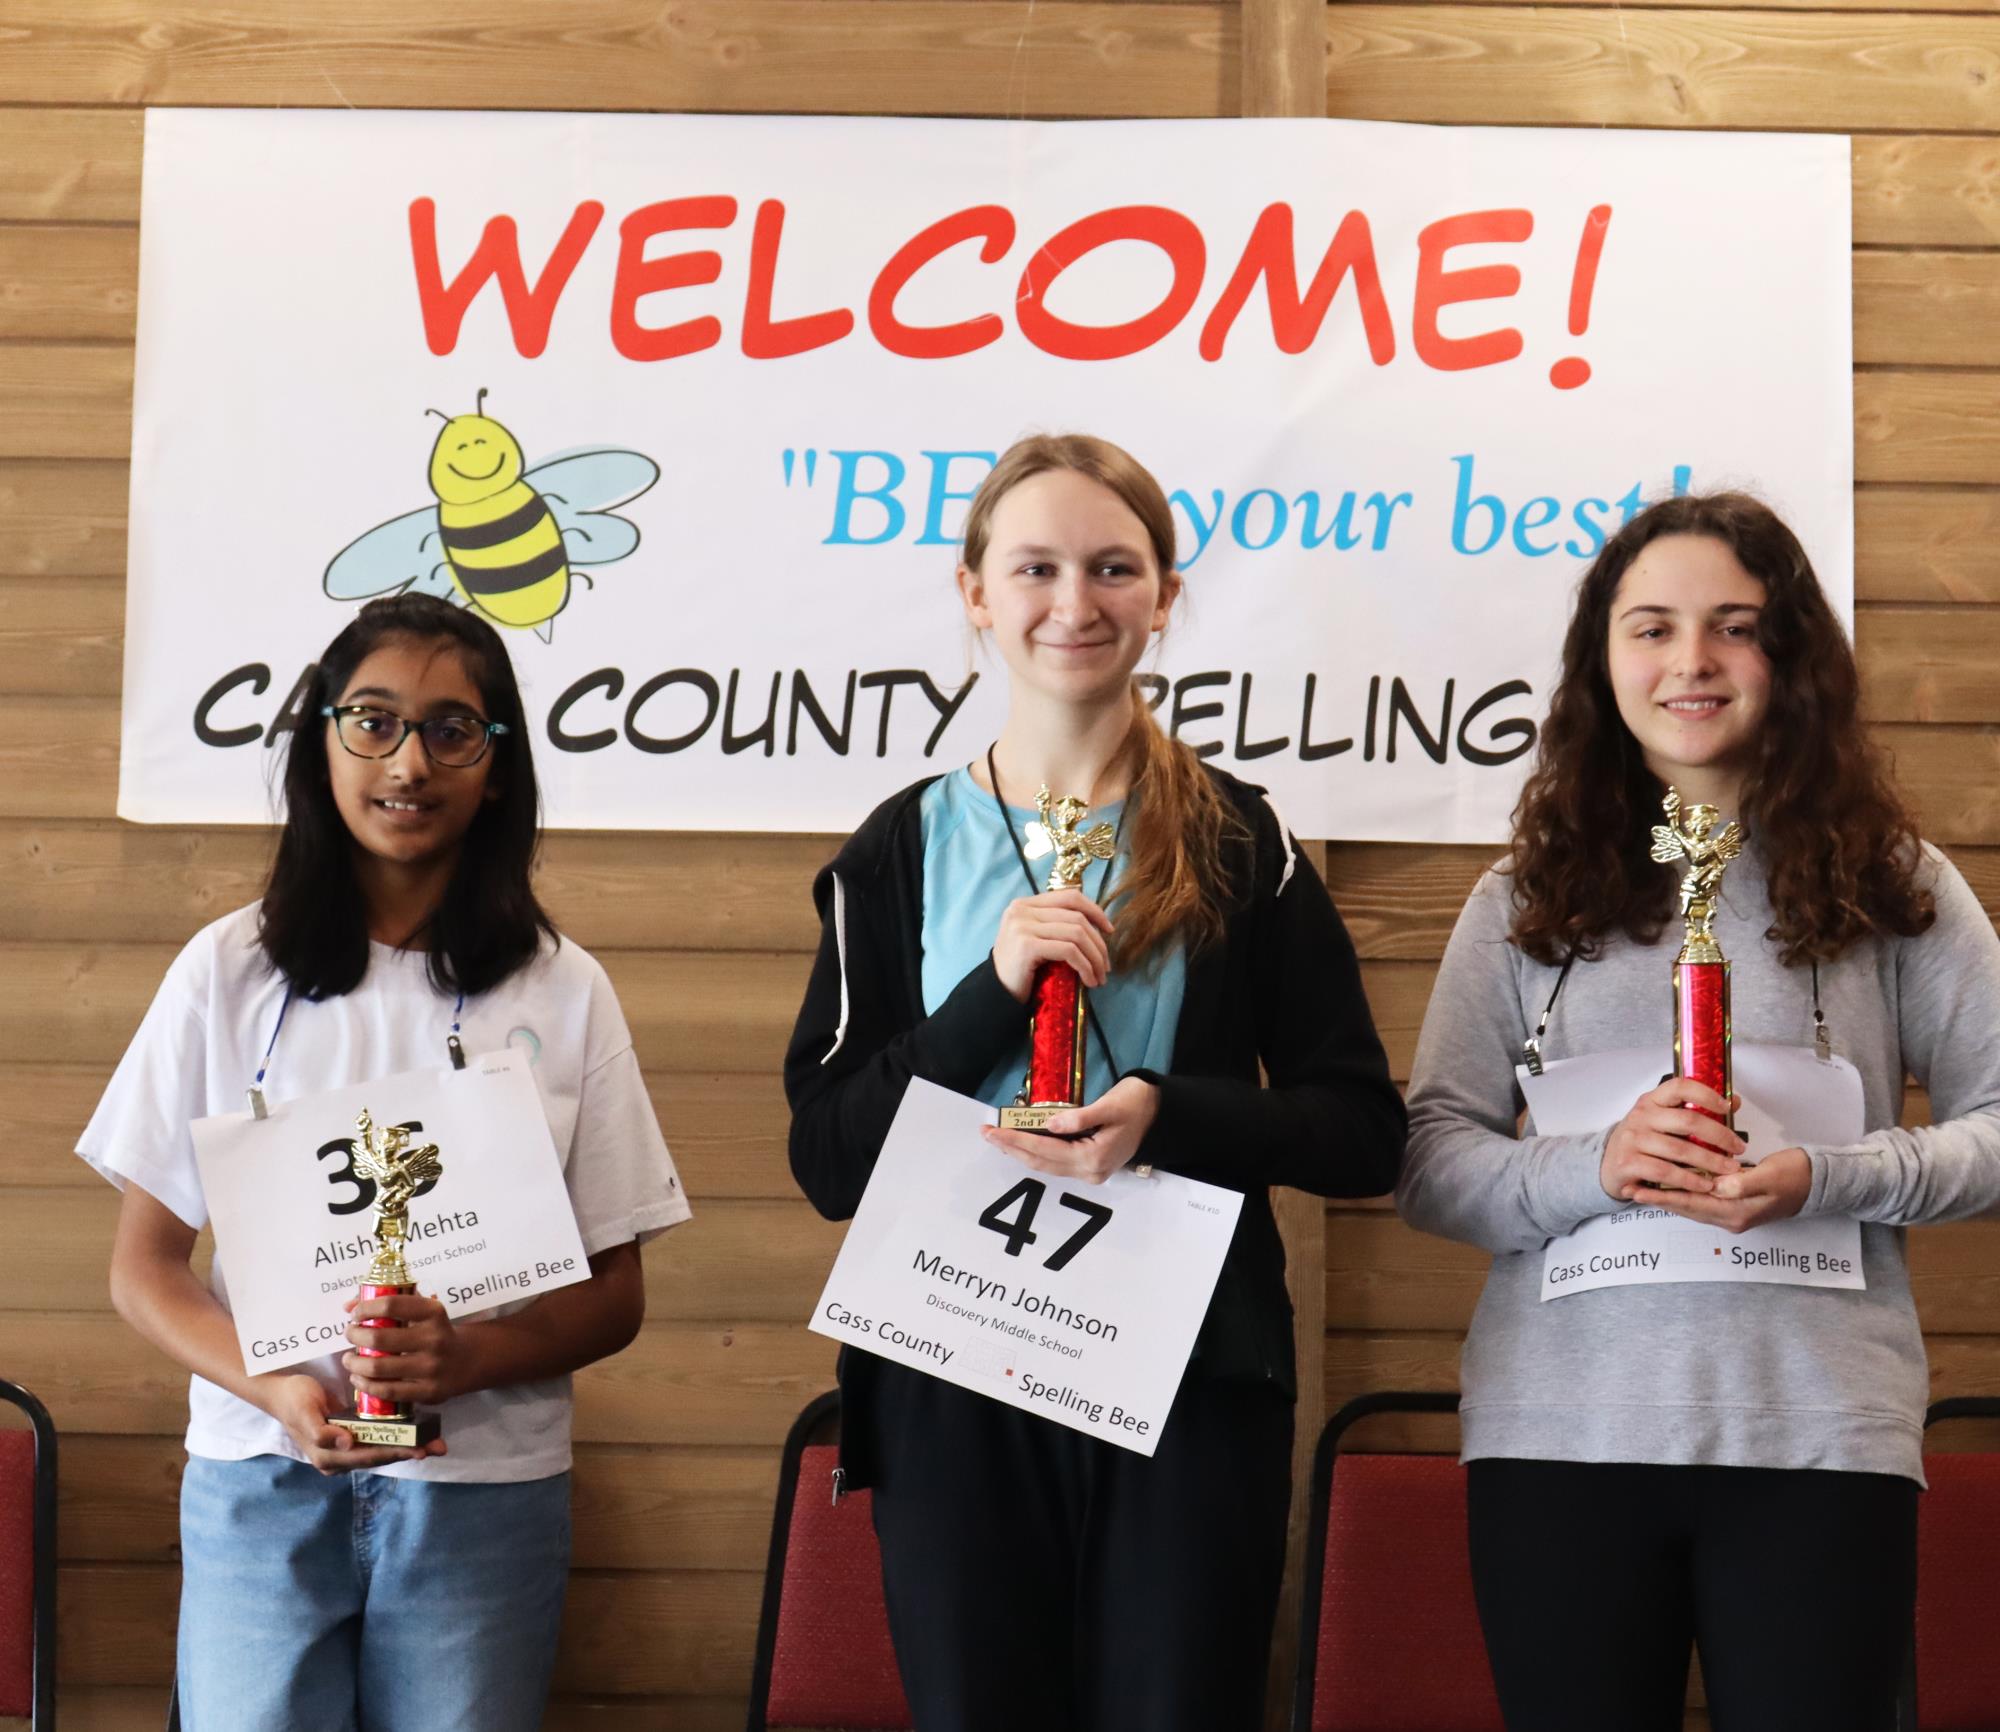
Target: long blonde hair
[(1175, 886)]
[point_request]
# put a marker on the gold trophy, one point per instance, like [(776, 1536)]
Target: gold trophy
[(1702, 1030), (1056, 1009), (382, 1155)]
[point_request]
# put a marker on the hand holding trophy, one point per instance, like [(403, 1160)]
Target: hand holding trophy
[(1057, 1012), (382, 1155)]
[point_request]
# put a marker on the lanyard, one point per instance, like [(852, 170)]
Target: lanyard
[(259, 1109), (1531, 1048), (1034, 889)]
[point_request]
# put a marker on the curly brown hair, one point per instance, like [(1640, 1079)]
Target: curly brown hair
[(1839, 844)]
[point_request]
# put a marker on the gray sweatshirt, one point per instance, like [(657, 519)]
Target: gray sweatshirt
[(1748, 1375)]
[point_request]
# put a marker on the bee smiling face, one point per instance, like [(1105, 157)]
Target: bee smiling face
[(474, 458)]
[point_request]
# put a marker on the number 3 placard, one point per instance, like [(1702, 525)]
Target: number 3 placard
[(291, 1213), (1078, 1302)]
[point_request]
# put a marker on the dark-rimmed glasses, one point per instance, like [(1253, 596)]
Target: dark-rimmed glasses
[(455, 742)]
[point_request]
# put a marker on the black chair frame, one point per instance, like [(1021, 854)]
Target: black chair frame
[(816, 1417), (1360, 1408), (43, 1548)]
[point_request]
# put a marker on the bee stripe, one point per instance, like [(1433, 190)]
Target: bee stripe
[(517, 522), (495, 580)]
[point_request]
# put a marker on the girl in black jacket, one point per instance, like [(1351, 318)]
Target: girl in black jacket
[(1037, 1577)]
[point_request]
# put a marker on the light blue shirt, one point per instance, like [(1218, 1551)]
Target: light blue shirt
[(971, 873)]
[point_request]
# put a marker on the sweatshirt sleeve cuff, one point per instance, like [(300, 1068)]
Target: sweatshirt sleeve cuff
[(1839, 1180), (1571, 1191), (967, 1034)]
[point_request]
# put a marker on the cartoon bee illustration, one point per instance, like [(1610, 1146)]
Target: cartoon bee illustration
[(505, 537)]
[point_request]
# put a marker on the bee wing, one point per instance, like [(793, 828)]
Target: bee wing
[(425, 1166), (1666, 844), (1039, 841), (390, 558), (1100, 841), (582, 490)]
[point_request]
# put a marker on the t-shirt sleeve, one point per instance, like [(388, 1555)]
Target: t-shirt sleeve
[(139, 1134), (622, 1181)]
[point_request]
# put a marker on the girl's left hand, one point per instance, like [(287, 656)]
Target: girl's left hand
[(1092, 1142), (1775, 1189), (426, 1361)]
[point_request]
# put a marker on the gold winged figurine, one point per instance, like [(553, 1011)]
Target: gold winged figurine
[(383, 1156), (1055, 832), (1685, 835)]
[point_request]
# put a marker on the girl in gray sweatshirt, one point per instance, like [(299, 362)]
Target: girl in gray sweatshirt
[(1654, 1463)]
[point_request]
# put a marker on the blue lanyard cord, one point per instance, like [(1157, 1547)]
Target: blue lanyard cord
[(271, 1045), (451, 1043)]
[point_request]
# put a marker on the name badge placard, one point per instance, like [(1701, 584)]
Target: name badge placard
[(292, 1213), (1077, 1302), (1790, 1096)]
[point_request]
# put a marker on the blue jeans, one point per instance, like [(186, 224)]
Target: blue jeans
[(364, 1604)]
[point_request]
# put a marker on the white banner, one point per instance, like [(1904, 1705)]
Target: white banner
[(744, 372)]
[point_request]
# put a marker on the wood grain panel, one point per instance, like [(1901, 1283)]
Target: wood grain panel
[(609, 890), (1926, 427), (1927, 309), (1926, 544), (1910, 190), (623, 1631), (800, 56), (63, 639), (1927, 192), (70, 164), (742, 1262), (631, 1507), (1929, 664), (63, 282), (65, 400), (677, 1384), (1613, 66), (62, 519)]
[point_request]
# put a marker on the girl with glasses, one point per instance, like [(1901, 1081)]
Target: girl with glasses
[(327, 1583), (1036, 1576), (1733, 1464)]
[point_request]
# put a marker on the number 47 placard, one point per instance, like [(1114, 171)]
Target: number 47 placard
[(1077, 1302)]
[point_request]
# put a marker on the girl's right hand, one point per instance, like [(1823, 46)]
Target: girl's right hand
[(300, 1404), (1056, 926), (1651, 1147)]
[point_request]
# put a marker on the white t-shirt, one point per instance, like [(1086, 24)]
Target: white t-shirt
[(200, 1045)]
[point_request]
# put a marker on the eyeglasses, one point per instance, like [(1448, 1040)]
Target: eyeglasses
[(455, 742)]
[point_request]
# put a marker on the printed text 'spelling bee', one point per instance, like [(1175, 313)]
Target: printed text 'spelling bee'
[(504, 537)]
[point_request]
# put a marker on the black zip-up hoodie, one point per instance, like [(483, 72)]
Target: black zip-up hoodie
[(1282, 988)]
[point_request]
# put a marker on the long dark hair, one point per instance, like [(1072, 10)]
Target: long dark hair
[(313, 924), (1839, 845)]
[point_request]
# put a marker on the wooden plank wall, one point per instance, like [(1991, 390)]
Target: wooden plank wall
[(706, 937)]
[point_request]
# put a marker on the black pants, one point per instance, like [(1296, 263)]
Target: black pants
[(1594, 1580), (1038, 1579)]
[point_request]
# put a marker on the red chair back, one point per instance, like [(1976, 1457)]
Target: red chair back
[(1399, 1648), (1958, 1578), (17, 1572), (824, 1658)]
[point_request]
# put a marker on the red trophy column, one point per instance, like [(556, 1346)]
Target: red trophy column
[(1701, 972), (1056, 1003)]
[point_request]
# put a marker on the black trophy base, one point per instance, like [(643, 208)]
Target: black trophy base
[(375, 1430)]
